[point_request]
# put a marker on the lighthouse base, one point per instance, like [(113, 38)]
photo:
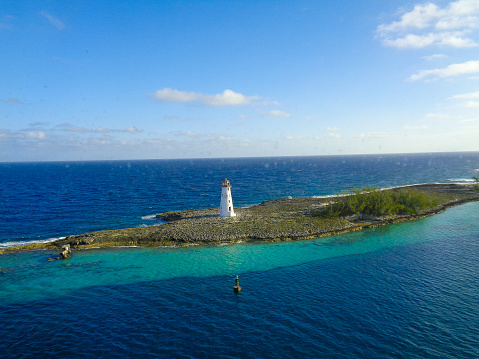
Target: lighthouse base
[(228, 214)]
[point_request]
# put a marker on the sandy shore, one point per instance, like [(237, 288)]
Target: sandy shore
[(275, 220)]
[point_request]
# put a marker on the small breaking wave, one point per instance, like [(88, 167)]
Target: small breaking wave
[(24, 243), (149, 217), (461, 180), (155, 221)]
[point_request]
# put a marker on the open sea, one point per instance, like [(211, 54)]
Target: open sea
[(408, 290)]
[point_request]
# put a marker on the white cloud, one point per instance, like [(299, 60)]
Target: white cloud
[(36, 135), (468, 67), (133, 130), (434, 57), (226, 98), (419, 18), (466, 96), (172, 95), (453, 39), (277, 113), (472, 104), (472, 99), (29, 135), (436, 116), (334, 135), (53, 20), (428, 25)]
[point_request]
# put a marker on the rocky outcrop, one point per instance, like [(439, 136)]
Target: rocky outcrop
[(275, 220), (66, 252), (80, 240)]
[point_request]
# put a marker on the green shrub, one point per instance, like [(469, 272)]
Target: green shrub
[(376, 202)]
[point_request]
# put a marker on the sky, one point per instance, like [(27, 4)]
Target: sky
[(133, 79)]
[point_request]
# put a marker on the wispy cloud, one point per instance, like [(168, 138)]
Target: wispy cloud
[(13, 101), (53, 20), (434, 57), (465, 68), (472, 99), (415, 127), (470, 120), (6, 22), (430, 25), (26, 135), (303, 138), (436, 116), (334, 135), (466, 96), (452, 39), (374, 135), (277, 113), (191, 134), (204, 136), (70, 128), (333, 132), (472, 104), (226, 98)]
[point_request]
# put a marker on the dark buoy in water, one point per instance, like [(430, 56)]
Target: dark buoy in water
[(237, 287)]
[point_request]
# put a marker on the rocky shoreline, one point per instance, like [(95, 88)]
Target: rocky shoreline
[(275, 220)]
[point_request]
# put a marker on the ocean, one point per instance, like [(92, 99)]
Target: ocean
[(408, 290)]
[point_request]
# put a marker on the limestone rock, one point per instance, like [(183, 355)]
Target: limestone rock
[(66, 252)]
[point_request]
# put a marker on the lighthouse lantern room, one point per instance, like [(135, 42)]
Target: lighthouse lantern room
[(226, 205)]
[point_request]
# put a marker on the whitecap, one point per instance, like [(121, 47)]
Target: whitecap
[(461, 180), (24, 243), (149, 217)]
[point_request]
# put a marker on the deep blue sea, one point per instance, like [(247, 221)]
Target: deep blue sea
[(409, 290)]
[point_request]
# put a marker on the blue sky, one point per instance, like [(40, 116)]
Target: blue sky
[(101, 80)]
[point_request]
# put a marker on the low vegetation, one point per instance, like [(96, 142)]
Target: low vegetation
[(376, 202)]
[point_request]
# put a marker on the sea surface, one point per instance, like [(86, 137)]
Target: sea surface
[(403, 291)]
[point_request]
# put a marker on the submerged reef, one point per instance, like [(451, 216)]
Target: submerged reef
[(276, 220)]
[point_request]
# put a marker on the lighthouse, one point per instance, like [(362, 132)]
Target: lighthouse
[(226, 205)]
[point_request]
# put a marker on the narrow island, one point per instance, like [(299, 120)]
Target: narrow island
[(281, 219)]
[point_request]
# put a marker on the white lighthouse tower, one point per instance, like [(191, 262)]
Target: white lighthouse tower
[(226, 205)]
